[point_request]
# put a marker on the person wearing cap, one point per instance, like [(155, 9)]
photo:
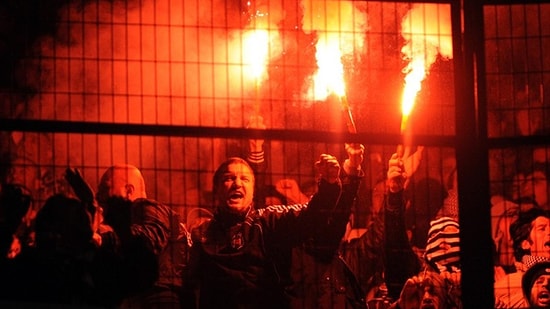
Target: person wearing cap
[(535, 284), (530, 234), (443, 245)]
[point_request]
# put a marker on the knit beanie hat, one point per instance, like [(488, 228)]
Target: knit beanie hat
[(531, 275), (443, 245)]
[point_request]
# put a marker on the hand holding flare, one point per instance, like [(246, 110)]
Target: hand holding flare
[(402, 167)]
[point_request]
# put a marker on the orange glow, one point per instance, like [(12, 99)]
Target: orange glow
[(258, 43), (427, 31), (340, 29), (330, 74), (413, 81), (255, 52)]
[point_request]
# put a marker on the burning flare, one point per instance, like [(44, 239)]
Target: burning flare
[(252, 48), (427, 32), (255, 52), (340, 29)]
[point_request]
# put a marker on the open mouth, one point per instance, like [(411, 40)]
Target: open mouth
[(427, 303), (427, 306), (543, 297), (236, 196)]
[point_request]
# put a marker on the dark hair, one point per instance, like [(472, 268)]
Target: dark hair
[(521, 228), (63, 224), (528, 166), (531, 275), (426, 196), (216, 180)]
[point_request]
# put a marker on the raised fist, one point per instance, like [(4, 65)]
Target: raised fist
[(355, 157), (328, 168)]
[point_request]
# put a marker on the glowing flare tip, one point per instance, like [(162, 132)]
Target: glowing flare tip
[(413, 82)]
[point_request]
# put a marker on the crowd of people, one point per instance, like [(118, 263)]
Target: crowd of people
[(263, 246)]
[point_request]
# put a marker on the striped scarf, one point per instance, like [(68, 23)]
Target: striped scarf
[(443, 246)]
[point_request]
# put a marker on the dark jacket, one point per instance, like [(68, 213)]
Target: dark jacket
[(401, 262), (321, 278), (152, 244), (365, 258), (233, 260)]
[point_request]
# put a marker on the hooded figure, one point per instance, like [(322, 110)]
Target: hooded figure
[(443, 246)]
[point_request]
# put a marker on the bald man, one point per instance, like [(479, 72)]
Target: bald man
[(150, 236), (123, 180)]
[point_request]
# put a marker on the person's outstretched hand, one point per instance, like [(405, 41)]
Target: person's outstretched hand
[(328, 168), (81, 188), (396, 175), (400, 169), (355, 158), (85, 194), (410, 297)]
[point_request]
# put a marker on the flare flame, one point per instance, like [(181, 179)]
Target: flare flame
[(427, 31)]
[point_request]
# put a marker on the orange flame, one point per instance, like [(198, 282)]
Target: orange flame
[(255, 52), (341, 29), (413, 82), (256, 45), (427, 31), (330, 74)]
